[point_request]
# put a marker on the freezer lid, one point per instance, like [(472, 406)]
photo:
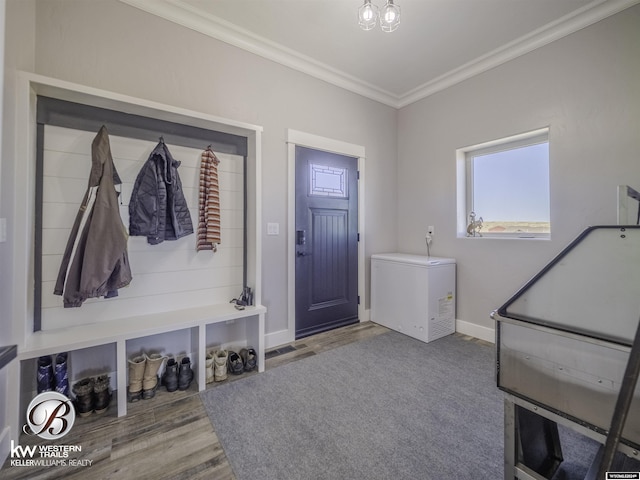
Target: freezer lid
[(412, 259)]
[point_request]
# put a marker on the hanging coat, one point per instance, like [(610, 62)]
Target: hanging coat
[(95, 262), (158, 209)]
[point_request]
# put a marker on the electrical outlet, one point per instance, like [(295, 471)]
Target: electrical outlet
[(430, 230)]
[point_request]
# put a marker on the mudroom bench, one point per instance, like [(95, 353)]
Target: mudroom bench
[(202, 327)]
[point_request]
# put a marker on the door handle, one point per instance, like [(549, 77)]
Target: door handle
[(303, 254)]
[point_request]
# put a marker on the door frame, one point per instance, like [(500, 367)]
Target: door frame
[(316, 142)]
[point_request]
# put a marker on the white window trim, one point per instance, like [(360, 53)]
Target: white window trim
[(464, 170)]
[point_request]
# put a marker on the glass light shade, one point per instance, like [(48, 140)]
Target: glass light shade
[(367, 15), (390, 17)]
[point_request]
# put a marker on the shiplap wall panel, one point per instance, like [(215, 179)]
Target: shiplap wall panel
[(166, 277)]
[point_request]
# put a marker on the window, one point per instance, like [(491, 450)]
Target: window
[(505, 183)]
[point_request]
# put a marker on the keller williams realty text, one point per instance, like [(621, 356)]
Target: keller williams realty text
[(51, 462), (46, 456)]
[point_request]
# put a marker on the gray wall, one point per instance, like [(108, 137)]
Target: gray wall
[(113, 46), (586, 87), (19, 54)]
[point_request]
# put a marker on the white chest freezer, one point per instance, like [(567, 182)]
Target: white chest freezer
[(414, 294)]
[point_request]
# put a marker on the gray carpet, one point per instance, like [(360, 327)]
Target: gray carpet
[(388, 407)]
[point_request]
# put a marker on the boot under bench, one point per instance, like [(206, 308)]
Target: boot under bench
[(119, 331)]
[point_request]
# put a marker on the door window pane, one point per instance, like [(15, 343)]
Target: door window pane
[(327, 181)]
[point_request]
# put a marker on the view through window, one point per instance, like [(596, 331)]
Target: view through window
[(508, 187)]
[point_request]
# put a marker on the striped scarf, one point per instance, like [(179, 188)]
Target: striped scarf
[(208, 203)]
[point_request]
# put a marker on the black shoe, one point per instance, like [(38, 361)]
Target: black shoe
[(170, 376), (249, 359), (185, 376), (234, 364)]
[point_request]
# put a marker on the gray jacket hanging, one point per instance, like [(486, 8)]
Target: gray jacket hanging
[(158, 209), (95, 262)]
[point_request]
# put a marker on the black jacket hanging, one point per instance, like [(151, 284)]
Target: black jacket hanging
[(158, 209)]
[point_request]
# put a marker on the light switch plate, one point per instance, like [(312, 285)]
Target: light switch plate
[(273, 229), (3, 230)]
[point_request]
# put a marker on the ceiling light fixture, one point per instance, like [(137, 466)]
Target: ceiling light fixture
[(389, 17)]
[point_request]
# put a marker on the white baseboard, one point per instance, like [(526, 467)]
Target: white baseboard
[(281, 337), (275, 339), (477, 331)]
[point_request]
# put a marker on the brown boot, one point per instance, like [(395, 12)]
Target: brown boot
[(136, 372), (101, 393), (150, 379), (83, 391)]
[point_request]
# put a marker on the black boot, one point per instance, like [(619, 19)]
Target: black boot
[(170, 376), (186, 374), (101, 394), (83, 390)]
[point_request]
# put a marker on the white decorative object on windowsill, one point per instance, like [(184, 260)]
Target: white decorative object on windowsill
[(474, 227)]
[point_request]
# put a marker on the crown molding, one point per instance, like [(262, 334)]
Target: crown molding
[(577, 20), (193, 18), (188, 16)]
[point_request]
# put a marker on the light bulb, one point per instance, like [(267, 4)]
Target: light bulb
[(367, 13), (390, 18)]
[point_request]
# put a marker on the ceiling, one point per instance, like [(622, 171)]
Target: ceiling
[(438, 43)]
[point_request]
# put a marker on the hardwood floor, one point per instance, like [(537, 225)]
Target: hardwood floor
[(169, 436)]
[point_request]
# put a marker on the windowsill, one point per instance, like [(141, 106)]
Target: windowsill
[(505, 237)]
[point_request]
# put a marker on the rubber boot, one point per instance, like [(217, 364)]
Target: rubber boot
[(150, 379), (83, 391), (170, 375), (220, 365), (209, 367), (60, 374), (136, 372), (45, 374), (185, 376), (101, 394)]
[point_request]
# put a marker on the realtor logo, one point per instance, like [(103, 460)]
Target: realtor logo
[(50, 416)]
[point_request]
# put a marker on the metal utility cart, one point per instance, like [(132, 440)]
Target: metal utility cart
[(568, 353)]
